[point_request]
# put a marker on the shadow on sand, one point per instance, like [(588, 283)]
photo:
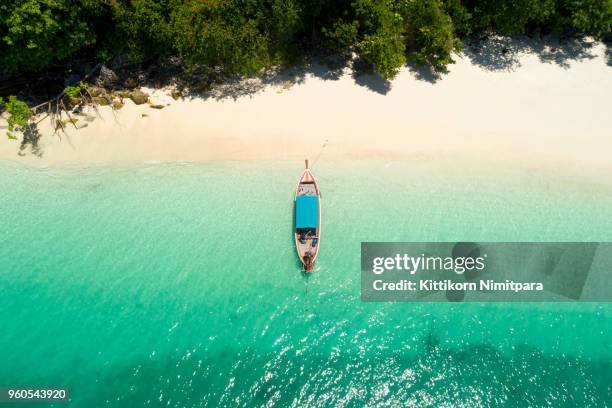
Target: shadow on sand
[(491, 53), (503, 53), (30, 141)]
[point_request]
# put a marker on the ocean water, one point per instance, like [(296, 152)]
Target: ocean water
[(177, 285)]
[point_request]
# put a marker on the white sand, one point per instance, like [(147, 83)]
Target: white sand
[(538, 113)]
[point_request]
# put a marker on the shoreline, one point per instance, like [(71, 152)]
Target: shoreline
[(538, 115)]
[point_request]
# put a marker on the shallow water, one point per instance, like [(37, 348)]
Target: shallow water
[(178, 285)]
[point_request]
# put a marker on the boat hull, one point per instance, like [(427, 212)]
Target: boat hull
[(307, 229)]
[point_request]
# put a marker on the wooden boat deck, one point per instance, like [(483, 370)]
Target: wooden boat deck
[(307, 236)]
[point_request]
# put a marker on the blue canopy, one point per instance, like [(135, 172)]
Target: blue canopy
[(306, 212)]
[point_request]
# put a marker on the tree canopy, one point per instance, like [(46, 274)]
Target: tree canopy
[(245, 36)]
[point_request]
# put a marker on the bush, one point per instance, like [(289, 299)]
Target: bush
[(593, 17), (237, 37), (142, 28), (36, 33), (74, 91), (589, 16), (381, 43), (205, 37), (245, 36), (19, 115), (429, 31), (341, 37)]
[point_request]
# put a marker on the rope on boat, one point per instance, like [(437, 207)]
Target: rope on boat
[(323, 146), (320, 152), (306, 298)]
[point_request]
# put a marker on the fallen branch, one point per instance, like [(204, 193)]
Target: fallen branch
[(63, 93)]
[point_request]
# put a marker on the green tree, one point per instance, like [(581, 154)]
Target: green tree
[(429, 33), (341, 37), (142, 28), (460, 16), (589, 16), (35, 33), (74, 91), (19, 115), (508, 16), (206, 36), (381, 41), (238, 37)]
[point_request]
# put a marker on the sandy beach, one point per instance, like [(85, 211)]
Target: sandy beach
[(528, 112)]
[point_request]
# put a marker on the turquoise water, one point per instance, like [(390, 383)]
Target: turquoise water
[(178, 285)]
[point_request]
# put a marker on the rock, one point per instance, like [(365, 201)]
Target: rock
[(122, 94), (144, 115), (139, 97), (176, 94), (107, 78), (101, 101), (157, 106), (117, 104), (74, 101), (84, 125), (130, 83), (96, 91)]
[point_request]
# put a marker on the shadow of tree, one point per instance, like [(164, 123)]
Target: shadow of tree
[(328, 68), (30, 141), (364, 75), (496, 53), (424, 72), (492, 53)]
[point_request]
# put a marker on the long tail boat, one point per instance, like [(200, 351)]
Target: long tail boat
[(307, 219)]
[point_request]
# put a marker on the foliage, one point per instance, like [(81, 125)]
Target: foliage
[(246, 36), (35, 33), (205, 36), (238, 37), (509, 16), (74, 91), (460, 16), (19, 115), (592, 17), (429, 30), (589, 16), (142, 28), (341, 36), (382, 28)]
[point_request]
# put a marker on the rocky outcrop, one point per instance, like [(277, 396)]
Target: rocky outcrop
[(139, 97), (117, 104), (107, 78), (101, 100)]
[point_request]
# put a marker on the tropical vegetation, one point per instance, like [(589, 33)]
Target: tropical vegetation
[(246, 36)]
